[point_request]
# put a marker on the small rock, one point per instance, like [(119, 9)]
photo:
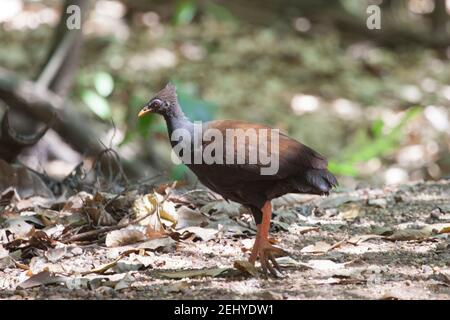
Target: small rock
[(270, 295), (373, 269), (103, 291), (331, 212), (77, 251), (435, 213), (380, 203), (399, 198), (442, 246), (304, 210), (427, 269), (81, 293)]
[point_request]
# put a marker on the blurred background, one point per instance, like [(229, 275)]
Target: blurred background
[(375, 102)]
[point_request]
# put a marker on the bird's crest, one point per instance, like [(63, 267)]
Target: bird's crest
[(168, 93)]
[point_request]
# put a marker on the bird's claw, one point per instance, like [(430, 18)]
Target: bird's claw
[(267, 254)]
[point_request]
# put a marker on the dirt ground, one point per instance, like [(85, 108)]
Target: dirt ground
[(390, 243)]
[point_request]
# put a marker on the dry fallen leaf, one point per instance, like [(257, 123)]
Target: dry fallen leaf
[(23, 180), (146, 204), (76, 202), (37, 265), (438, 228), (54, 255), (42, 278), (20, 228), (287, 261), (246, 267), (356, 240), (334, 202), (3, 252), (323, 265), (180, 274), (125, 282), (444, 230), (5, 260), (296, 229), (425, 232), (383, 231), (123, 237), (318, 247), (292, 200), (350, 212), (143, 206), (122, 267), (339, 280), (178, 286), (231, 209), (160, 244), (190, 218), (169, 211), (149, 206), (204, 234), (409, 234)]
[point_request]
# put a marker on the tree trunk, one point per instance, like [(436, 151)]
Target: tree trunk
[(59, 69)]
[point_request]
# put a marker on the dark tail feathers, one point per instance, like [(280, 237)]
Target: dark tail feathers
[(321, 180)]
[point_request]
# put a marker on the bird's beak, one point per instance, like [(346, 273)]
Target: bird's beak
[(144, 111)]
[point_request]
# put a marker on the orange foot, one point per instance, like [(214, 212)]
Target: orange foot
[(267, 254)]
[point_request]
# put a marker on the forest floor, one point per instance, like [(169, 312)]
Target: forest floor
[(390, 243)]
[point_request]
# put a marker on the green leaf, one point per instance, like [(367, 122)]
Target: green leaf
[(377, 128), (218, 12), (343, 169), (129, 136), (98, 104), (383, 144), (185, 11), (365, 149), (104, 83), (144, 124)]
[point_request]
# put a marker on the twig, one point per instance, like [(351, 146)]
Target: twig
[(243, 224), (214, 195), (338, 244), (102, 269)]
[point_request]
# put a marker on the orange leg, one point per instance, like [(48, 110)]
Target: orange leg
[(262, 248)]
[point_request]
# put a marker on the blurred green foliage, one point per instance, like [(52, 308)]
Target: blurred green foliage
[(95, 87), (97, 103), (252, 71), (185, 11), (104, 83), (373, 145)]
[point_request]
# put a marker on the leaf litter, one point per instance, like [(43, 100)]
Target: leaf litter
[(107, 242)]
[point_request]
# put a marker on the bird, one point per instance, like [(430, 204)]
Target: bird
[(300, 168)]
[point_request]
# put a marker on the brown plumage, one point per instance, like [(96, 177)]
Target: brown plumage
[(301, 170)]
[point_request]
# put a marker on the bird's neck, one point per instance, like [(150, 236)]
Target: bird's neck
[(176, 119)]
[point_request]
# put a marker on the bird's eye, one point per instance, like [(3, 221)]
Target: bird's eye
[(156, 103)]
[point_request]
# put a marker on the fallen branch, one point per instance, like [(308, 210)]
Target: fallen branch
[(42, 105), (12, 143)]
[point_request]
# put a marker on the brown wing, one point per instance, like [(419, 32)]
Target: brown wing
[(293, 156)]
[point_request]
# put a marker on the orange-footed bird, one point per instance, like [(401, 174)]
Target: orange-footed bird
[(298, 168)]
